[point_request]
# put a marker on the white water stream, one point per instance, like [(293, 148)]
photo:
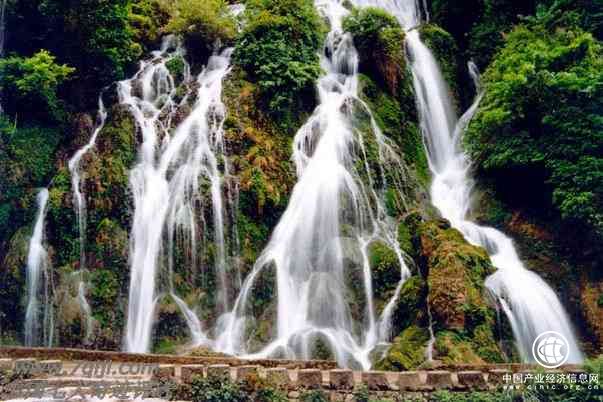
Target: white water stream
[(173, 166), (310, 251), (38, 314), (529, 303), (79, 204)]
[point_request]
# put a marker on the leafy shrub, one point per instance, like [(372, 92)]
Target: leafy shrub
[(278, 49), (202, 23), (95, 36), (494, 396), (214, 389), (33, 81), (542, 118), (362, 394), (314, 396), (367, 25), (104, 291), (380, 42), (26, 161), (147, 19)]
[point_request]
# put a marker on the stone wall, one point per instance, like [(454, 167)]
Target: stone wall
[(339, 384)]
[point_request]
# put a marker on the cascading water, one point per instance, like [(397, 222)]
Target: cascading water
[(173, 166), (79, 199), (529, 303), (38, 317), (79, 203), (332, 218)]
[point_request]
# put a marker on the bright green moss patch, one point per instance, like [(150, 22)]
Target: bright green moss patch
[(407, 351)]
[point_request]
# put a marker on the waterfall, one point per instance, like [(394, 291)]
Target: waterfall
[(310, 251), (38, 318), (79, 200), (86, 310), (529, 303), (173, 166), (79, 204)]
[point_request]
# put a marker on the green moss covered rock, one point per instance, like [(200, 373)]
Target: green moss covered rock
[(411, 308), (385, 268), (462, 316), (407, 351), (457, 271)]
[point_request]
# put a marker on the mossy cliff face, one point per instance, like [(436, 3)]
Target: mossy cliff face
[(456, 274), (450, 287), (463, 318), (105, 186)]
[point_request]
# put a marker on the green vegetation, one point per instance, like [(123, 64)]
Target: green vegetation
[(446, 52), (214, 389), (583, 393), (535, 143), (26, 156), (380, 42), (203, 23), (33, 81), (147, 18), (370, 26), (362, 394), (463, 319), (385, 268), (407, 351), (278, 49), (95, 36), (314, 396), (541, 121)]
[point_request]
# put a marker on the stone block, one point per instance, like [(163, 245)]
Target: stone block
[(188, 371), (409, 381), (497, 376), (6, 364), (52, 367), (439, 379), (165, 372), (246, 372), (472, 380), (341, 379), (218, 371), (24, 365), (279, 377), (309, 378), (375, 380)]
